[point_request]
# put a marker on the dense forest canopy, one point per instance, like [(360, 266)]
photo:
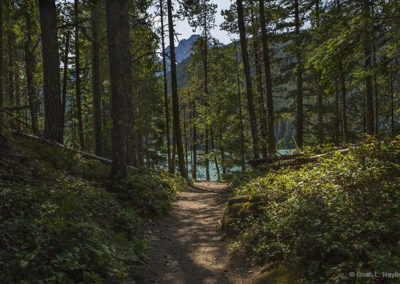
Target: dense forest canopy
[(302, 73), (90, 74), (105, 116)]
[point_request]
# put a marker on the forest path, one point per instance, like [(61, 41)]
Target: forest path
[(187, 244)]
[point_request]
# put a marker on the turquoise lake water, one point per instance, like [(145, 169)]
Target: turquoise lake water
[(201, 170)]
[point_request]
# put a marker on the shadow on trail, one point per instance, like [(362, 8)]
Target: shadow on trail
[(187, 245)]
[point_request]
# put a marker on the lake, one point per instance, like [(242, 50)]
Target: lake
[(201, 170)]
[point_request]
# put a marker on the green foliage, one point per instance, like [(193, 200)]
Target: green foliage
[(331, 218), (59, 223)]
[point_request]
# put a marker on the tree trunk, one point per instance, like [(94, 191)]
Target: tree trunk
[(343, 99), (65, 76), (78, 78), (175, 99), (140, 155), (1, 72), (249, 88), (173, 158), (165, 82), (268, 84), (30, 67), (215, 154), (260, 91), (53, 124), (206, 146), (376, 106), (120, 64), (11, 67), (185, 138), (300, 118), (320, 109), (222, 154), (392, 104), (242, 160), (130, 129), (17, 98), (194, 144), (96, 80), (205, 65), (366, 42), (147, 144), (337, 116), (320, 106)]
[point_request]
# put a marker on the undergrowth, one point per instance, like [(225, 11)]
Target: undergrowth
[(59, 222), (328, 221)]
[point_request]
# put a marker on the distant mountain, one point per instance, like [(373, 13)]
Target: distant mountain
[(182, 51)]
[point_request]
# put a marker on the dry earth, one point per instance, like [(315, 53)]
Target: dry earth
[(188, 246)]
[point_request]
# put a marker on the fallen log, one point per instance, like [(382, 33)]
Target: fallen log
[(277, 158), (68, 148), (294, 160), (257, 162)]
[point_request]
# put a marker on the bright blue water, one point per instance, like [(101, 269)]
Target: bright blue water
[(201, 170)]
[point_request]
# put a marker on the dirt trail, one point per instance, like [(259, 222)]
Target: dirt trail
[(188, 247)]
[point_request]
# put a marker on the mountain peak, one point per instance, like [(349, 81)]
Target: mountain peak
[(182, 50)]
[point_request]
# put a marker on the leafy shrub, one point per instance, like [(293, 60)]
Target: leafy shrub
[(331, 218), (60, 223), (69, 232)]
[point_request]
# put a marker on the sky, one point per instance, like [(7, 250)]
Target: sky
[(184, 31)]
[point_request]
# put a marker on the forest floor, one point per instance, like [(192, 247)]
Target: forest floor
[(188, 246)]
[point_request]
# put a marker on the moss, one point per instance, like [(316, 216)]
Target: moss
[(229, 225), (239, 209), (280, 275)]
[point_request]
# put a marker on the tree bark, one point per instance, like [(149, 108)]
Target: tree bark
[(249, 88), (175, 99), (215, 154), (53, 124), (96, 80), (17, 80), (30, 67), (343, 99), (1, 71), (194, 143), (268, 84), (320, 106), (118, 48), (65, 76), (11, 67), (260, 91), (205, 66), (130, 129), (206, 152), (242, 159), (392, 104), (165, 83), (300, 118), (78, 89), (147, 143), (173, 158), (376, 106), (320, 110), (140, 156), (366, 42), (185, 138), (337, 116), (222, 154)]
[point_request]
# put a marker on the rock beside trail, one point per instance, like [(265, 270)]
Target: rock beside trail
[(238, 208)]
